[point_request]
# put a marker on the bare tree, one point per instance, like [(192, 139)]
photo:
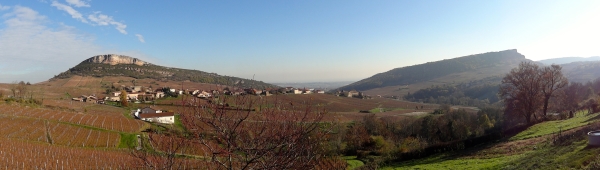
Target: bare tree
[(521, 92), (19, 90), (163, 150), (571, 96), (552, 80), (241, 132)]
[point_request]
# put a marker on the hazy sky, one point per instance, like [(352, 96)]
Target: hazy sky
[(287, 41)]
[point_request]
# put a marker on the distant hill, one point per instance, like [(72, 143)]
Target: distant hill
[(582, 71), (453, 71), (119, 65), (315, 85), (566, 60)]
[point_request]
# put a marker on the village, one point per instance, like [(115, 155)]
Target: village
[(141, 94)]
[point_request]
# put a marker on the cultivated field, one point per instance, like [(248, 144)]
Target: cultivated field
[(67, 134)]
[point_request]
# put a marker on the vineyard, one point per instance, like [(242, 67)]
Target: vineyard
[(68, 135), (40, 138), (109, 122), (15, 154), (334, 103)]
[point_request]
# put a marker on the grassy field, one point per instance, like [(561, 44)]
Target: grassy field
[(533, 148), (550, 127), (449, 162), (353, 162)]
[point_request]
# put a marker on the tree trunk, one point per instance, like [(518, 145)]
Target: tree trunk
[(545, 109)]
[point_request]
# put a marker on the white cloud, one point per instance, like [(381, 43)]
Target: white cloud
[(101, 19), (2, 8), (78, 3), (32, 51), (74, 13), (140, 37)]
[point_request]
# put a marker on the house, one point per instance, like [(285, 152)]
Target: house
[(150, 110), (295, 91), (353, 93), (253, 91), (90, 99), (320, 91), (235, 92), (136, 88), (204, 94), (306, 91), (282, 90), (159, 94), (116, 94), (114, 99), (132, 96), (146, 96), (87, 99), (266, 93), (163, 117)]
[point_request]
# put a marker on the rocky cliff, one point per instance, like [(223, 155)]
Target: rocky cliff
[(114, 59)]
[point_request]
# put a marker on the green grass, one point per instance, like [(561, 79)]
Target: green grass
[(574, 154), (448, 162), (550, 127), (353, 162), (128, 140), (178, 123), (127, 114), (377, 110)]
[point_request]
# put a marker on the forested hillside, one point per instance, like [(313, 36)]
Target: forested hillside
[(582, 71), (481, 93), (432, 70)]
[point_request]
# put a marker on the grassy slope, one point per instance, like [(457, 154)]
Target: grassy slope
[(539, 154), (555, 126), (353, 162)]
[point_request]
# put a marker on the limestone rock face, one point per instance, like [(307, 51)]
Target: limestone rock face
[(114, 59)]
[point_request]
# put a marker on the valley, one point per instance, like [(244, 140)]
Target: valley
[(377, 127)]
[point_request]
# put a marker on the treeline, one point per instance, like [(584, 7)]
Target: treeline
[(158, 73), (432, 70), (21, 92), (480, 93), (378, 141)]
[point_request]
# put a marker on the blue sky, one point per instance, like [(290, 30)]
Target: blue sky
[(287, 41)]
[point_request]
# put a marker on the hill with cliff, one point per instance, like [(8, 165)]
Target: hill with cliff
[(399, 81), (125, 66)]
